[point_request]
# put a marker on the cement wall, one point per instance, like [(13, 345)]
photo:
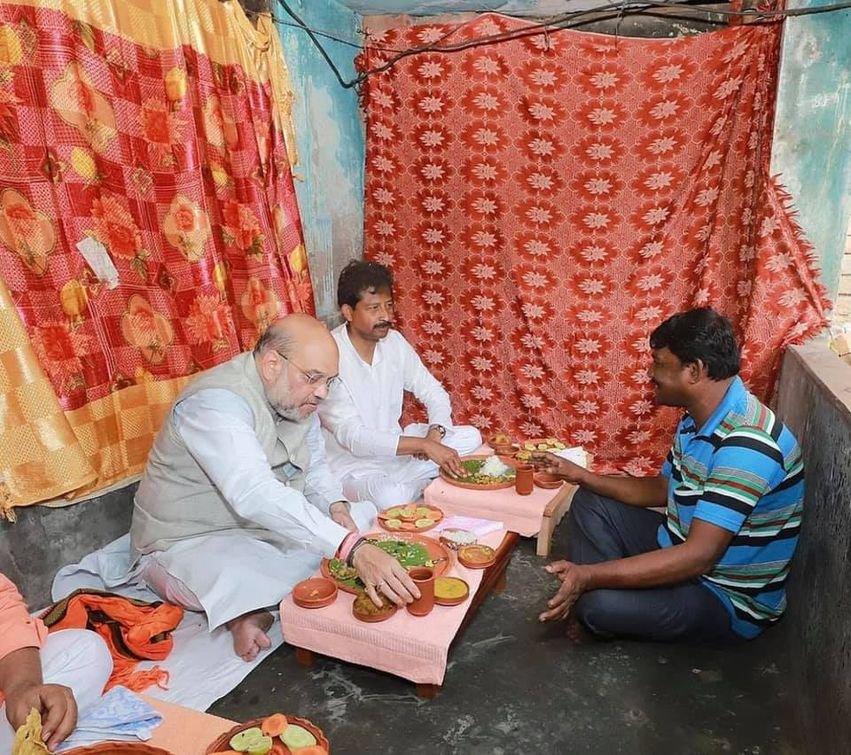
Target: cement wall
[(815, 401), (44, 539), (329, 138), (812, 129)]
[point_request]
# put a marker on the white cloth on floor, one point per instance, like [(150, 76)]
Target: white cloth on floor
[(119, 716), (230, 575), (202, 666), (74, 658)]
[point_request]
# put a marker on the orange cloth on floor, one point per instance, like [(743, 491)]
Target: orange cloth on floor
[(132, 629)]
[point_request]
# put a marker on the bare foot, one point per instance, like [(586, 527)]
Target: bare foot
[(249, 634)]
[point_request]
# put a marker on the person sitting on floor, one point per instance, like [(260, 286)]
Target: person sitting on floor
[(714, 568), (237, 501), (57, 674), (375, 458)]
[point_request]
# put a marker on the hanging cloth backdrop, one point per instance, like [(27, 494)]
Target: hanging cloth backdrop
[(544, 203), (156, 133)]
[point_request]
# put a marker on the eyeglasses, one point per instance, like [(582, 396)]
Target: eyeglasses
[(311, 378)]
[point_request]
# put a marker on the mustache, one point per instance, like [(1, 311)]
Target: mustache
[(382, 325)]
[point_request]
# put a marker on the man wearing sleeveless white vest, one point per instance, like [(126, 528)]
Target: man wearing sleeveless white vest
[(367, 447), (237, 502)]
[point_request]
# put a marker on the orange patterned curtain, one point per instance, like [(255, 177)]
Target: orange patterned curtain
[(148, 224), (546, 202)]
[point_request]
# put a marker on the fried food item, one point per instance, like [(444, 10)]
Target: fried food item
[(365, 607), (28, 739)]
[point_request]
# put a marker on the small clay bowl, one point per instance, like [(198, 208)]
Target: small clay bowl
[(547, 480), (316, 592), (373, 618), (447, 601), (452, 544), (477, 556)]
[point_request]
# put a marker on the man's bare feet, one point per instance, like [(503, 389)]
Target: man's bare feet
[(249, 634)]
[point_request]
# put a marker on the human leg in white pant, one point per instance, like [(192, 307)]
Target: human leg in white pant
[(403, 479), (74, 658)]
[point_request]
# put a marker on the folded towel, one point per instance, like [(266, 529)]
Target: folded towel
[(480, 527), (121, 715)]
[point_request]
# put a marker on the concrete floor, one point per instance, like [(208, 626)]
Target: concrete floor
[(514, 686)]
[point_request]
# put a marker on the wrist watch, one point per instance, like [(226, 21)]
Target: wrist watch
[(439, 428)]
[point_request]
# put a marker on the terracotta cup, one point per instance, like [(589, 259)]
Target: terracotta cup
[(525, 479), (424, 579)]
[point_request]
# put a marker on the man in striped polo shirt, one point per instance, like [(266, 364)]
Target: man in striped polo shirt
[(714, 567)]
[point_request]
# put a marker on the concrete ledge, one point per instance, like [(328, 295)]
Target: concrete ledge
[(814, 400)]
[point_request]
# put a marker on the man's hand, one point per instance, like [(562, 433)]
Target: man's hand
[(55, 703), (378, 570), (574, 581), (339, 511), (552, 464), (445, 457)]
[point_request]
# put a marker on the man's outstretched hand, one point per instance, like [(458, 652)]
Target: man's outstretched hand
[(574, 581)]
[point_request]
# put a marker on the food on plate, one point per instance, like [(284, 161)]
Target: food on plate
[(295, 737), (365, 607), (252, 741), (341, 570), (490, 471), (455, 538), (274, 725), (410, 517), (450, 588), (476, 555)]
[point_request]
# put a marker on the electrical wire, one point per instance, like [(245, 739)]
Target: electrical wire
[(555, 23)]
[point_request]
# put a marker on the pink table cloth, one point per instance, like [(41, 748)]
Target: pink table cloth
[(519, 513), (407, 646)]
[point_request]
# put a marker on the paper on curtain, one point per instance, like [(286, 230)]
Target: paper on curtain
[(99, 261)]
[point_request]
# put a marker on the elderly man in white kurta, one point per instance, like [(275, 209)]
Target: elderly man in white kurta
[(237, 502), (366, 445)]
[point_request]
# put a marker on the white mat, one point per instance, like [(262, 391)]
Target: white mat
[(202, 665)]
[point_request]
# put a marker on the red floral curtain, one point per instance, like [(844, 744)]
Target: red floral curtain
[(546, 202), (148, 223)]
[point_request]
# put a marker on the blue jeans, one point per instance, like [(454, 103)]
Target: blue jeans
[(601, 529)]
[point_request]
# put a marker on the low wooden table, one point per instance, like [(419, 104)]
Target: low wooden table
[(493, 580)]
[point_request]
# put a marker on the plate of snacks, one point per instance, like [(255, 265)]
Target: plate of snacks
[(412, 517), (408, 548), (482, 473), (274, 735), (528, 447)]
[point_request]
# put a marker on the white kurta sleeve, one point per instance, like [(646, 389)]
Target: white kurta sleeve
[(340, 417), (321, 487), (217, 427), (420, 382)]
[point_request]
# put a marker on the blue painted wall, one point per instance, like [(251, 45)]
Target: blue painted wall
[(329, 137), (812, 133)]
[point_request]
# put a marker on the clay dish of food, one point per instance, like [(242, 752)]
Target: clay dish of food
[(477, 556), (547, 480), (364, 609), (316, 592)]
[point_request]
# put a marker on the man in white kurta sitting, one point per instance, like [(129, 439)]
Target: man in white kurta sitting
[(367, 447), (237, 502)]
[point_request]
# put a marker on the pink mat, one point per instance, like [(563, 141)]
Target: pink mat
[(519, 513), (406, 646), (185, 731)]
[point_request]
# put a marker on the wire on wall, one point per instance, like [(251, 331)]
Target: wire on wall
[(560, 22)]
